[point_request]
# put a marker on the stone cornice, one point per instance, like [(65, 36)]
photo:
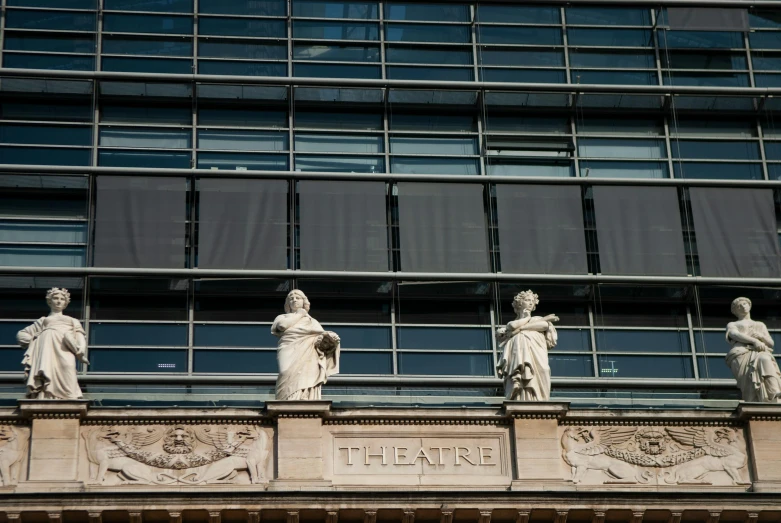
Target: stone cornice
[(759, 411), (536, 410), (135, 416), (53, 409), (297, 409)]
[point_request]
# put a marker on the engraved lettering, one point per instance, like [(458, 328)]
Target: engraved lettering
[(458, 455), (441, 457), (349, 453), (399, 455), (421, 455), (377, 455), (485, 455)]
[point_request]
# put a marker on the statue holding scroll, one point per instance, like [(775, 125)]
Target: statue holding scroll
[(524, 345)]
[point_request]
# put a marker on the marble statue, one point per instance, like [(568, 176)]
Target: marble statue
[(306, 353), (751, 357), (53, 344), (524, 345)]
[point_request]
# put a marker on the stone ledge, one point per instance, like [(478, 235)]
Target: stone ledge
[(536, 410), (298, 409), (55, 409)]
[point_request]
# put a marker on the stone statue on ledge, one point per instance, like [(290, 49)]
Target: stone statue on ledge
[(53, 344), (751, 357), (306, 353), (524, 345)]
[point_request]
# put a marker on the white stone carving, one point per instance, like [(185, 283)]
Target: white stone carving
[(13, 445), (751, 357), (167, 455), (53, 344), (524, 343), (660, 455), (306, 353)]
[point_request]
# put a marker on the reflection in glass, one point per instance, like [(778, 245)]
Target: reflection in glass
[(439, 364), (115, 158), (620, 366), (442, 338), (335, 30), (212, 139), (442, 145), (258, 336), (713, 369), (40, 231), (335, 9), (354, 164), (410, 165), (242, 161), (119, 23), (642, 341), (365, 363), (711, 342), (137, 360), (571, 366), (362, 337), (149, 334), (519, 35), (234, 361), (427, 33), (338, 143), (146, 138)]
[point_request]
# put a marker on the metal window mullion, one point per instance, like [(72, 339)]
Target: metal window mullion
[(493, 313), (657, 56), (692, 349), (394, 343), (593, 336), (194, 56), (749, 64), (381, 19), (86, 309), (3, 15), (761, 138), (565, 42), (668, 145), (289, 40), (190, 324)]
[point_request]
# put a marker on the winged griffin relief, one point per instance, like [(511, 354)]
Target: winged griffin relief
[(671, 455), (13, 446), (178, 454)]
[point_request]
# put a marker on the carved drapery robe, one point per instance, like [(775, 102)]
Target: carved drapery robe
[(52, 344), (303, 367), (756, 372), (527, 372)]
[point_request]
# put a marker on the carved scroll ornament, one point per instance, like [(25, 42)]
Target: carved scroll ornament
[(663, 455), (177, 454)]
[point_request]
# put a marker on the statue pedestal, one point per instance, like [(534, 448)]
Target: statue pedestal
[(54, 449), (299, 457), (535, 431), (764, 434)]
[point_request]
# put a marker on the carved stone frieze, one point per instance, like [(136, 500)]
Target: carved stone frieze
[(680, 455), (14, 441), (177, 454)]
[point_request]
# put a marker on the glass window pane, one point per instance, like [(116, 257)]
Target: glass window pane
[(68, 111), (438, 364), (116, 158), (208, 25), (523, 75), (420, 145), (146, 138), (770, 62), (307, 118), (713, 369), (62, 20), (700, 39), (421, 121), (434, 338), (61, 44), (765, 40), (612, 59), (335, 9), (148, 46), (138, 299), (242, 116), (718, 171), (242, 140), (448, 74), (610, 37), (427, 33), (148, 24), (149, 334), (407, 165), (63, 4), (111, 113), (642, 341), (8, 332), (764, 18), (514, 168), (148, 65), (137, 360), (45, 156), (10, 359), (520, 57), (689, 60), (624, 169), (235, 361), (573, 340), (239, 300), (319, 143), (706, 79), (362, 337), (242, 161), (350, 164), (336, 71), (524, 123), (246, 49), (43, 61), (571, 366), (618, 148), (638, 126), (517, 14), (607, 16), (711, 149), (162, 6), (519, 35), (241, 68), (258, 336), (365, 363), (428, 55), (336, 53), (39, 231), (773, 150), (336, 30), (427, 12), (614, 77), (45, 134), (711, 342), (30, 256), (619, 366), (243, 7)]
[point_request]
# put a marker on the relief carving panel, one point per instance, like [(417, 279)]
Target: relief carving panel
[(14, 442), (177, 454), (655, 455)]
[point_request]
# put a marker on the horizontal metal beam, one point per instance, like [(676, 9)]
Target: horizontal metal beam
[(387, 177), (386, 276), (387, 83)]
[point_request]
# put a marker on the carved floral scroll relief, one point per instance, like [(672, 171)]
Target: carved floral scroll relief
[(177, 454), (14, 442), (655, 455)]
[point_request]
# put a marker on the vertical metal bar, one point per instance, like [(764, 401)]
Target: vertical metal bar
[(190, 324), (494, 325), (657, 55), (394, 344), (761, 140), (86, 314), (749, 64), (381, 18), (593, 336), (3, 11), (196, 21), (668, 144), (692, 349)]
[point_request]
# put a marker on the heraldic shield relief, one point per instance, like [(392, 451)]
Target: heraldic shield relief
[(648, 455), (177, 454)]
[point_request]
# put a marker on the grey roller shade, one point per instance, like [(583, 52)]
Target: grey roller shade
[(541, 229), (639, 231), (140, 222), (343, 225), (736, 232), (242, 224), (442, 227), (707, 19)]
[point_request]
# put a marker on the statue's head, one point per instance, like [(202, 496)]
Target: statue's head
[(740, 306), (292, 297), (525, 301), (58, 298)]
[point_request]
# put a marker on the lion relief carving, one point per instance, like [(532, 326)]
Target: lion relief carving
[(178, 454)]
